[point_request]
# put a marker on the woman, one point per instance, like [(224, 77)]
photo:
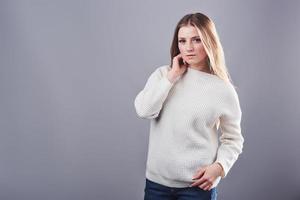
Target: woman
[(187, 102)]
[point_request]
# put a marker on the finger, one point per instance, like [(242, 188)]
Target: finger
[(199, 173), (204, 185), (185, 63), (203, 179), (176, 58), (208, 187), (179, 55), (198, 182)]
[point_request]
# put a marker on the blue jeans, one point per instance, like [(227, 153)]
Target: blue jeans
[(155, 191)]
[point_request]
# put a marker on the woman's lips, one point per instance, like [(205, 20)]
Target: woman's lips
[(190, 56)]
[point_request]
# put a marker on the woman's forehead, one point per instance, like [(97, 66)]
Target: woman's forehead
[(188, 32)]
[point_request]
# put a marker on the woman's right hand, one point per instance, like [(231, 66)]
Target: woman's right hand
[(177, 69)]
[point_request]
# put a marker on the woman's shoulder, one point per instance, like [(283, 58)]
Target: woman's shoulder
[(161, 70), (229, 91), (225, 86)]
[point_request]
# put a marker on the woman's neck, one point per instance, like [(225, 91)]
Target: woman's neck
[(201, 68)]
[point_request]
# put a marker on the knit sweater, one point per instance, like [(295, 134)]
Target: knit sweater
[(185, 117)]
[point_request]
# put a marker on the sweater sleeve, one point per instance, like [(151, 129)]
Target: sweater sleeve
[(231, 139), (150, 99)]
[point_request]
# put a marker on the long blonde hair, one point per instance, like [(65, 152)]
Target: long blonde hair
[(211, 42)]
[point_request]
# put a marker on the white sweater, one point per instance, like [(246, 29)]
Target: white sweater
[(185, 117)]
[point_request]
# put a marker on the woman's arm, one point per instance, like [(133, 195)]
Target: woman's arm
[(149, 101), (231, 138)]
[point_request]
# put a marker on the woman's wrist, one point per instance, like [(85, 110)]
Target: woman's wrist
[(171, 76), (221, 169)]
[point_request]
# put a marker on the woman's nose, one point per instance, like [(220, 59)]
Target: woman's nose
[(189, 46)]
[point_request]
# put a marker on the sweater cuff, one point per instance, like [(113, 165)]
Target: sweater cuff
[(166, 82)]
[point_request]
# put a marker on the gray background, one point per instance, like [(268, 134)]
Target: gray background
[(69, 73)]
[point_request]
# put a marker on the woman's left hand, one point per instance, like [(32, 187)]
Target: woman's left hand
[(205, 176)]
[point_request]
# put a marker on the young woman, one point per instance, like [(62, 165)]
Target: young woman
[(187, 103)]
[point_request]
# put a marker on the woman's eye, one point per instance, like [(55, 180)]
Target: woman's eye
[(197, 40), (181, 41)]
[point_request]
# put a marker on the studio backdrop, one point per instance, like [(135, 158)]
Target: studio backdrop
[(69, 73)]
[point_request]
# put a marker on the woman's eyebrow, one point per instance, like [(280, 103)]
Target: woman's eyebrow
[(192, 37)]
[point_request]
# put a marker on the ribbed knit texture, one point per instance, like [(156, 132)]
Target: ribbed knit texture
[(185, 117)]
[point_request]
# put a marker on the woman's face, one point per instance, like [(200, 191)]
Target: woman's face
[(191, 47)]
